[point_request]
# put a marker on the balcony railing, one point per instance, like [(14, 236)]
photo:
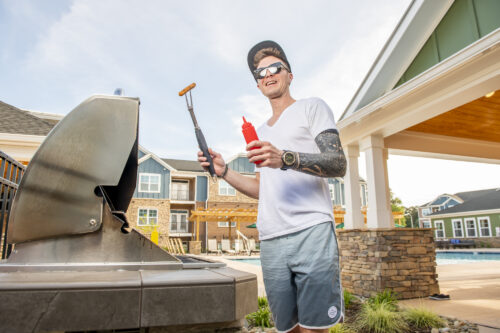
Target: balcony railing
[(180, 195), (11, 172)]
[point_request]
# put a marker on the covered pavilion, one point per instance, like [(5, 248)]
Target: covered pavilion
[(433, 91)]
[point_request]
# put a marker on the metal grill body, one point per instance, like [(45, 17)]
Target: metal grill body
[(75, 263)]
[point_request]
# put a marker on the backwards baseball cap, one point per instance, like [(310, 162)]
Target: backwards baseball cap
[(278, 52)]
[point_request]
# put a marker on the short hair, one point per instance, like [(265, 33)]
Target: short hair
[(269, 51)]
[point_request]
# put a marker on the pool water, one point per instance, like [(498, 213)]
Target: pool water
[(450, 258), (442, 258)]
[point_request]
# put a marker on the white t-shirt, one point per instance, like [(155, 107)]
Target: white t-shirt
[(290, 201)]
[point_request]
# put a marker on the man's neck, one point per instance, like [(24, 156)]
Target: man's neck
[(280, 104)]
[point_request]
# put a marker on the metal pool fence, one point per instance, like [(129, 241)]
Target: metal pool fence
[(11, 172)]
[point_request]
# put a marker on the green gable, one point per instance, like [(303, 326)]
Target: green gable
[(465, 22)]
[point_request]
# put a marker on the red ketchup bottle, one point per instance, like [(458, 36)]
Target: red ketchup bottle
[(250, 134)]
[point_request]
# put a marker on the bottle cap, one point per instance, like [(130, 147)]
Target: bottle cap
[(246, 124)]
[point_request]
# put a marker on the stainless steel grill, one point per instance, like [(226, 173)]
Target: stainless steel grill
[(76, 264)]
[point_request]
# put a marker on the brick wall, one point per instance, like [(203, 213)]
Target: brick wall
[(402, 260), (214, 197), (214, 231), (228, 202), (163, 206)]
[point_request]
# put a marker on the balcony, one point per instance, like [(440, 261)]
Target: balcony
[(180, 194), (182, 191)]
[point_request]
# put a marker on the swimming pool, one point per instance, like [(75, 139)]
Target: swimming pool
[(450, 258), (442, 258)]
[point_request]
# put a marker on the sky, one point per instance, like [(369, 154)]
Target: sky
[(55, 54)]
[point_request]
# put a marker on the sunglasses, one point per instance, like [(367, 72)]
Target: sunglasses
[(275, 68)]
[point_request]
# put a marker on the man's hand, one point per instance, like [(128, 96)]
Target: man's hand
[(219, 164), (267, 153)]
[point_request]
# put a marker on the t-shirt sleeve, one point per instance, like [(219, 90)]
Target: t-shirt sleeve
[(320, 117)]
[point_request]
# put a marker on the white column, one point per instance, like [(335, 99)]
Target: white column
[(353, 218), (387, 189), (379, 214)]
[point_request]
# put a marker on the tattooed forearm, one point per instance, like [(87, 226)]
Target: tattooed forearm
[(330, 162)]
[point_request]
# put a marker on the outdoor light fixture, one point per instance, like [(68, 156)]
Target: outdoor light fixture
[(488, 95)]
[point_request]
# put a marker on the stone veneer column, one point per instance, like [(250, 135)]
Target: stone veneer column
[(378, 215), (353, 218), (401, 259)]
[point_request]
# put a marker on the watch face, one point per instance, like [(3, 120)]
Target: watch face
[(289, 158)]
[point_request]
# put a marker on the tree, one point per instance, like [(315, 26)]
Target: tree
[(411, 215), (396, 204)]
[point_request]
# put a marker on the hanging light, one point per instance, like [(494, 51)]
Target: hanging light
[(488, 95)]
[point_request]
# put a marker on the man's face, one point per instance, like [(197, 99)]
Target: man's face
[(274, 85)]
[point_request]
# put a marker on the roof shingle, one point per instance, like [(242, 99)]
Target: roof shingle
[(16, 121), (184, 165)]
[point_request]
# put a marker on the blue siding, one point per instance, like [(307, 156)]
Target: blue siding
[(152, 166), (141, 154), (241, 164), (440, 200), (201, 188), (337, 190)]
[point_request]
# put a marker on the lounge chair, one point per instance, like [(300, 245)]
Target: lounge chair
[(252, 246), (241, 246), (457, 243), (226, 246), (212, 246)]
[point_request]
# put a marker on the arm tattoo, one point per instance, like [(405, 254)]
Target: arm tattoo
[(331, 162)]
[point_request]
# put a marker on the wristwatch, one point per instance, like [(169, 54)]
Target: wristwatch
[(288, 159)]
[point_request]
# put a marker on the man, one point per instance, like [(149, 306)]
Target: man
[(298, 145)]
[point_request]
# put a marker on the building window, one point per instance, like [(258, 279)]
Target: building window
[(149, 182), (470, 227), (180, 190), (426, 224), (147, 217), (179, 221), (364, 195), (331, 187), (457, 228), (439, 229), (226, 224), (484, 226), (225, 188)]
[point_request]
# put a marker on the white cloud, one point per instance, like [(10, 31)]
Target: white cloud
[(153, 48), (338, 78)]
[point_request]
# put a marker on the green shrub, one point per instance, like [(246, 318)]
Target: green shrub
[(423, 318), (380, 318), (347, 298), (387, 297), (262, 301), (341, 328), (262, 317)]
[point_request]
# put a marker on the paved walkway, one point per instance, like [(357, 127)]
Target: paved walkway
[(474, 289)]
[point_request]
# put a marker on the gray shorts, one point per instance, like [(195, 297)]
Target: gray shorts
[(302, 278)]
